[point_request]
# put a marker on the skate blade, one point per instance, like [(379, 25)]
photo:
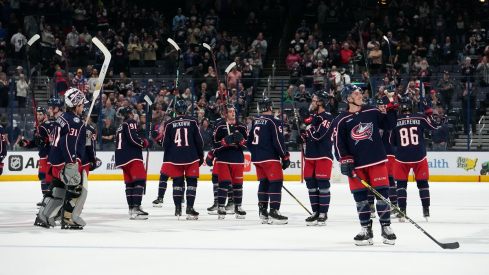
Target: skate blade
[(212, 212), (322, 223), (264, 221), (221, 217), (192, 217), (389, 242), (158, 205), (373, 216), (402, 219), (364, 242), (240, 217), (426, 218), (277, 222), (230, 212), (314, 223), (139, 217)]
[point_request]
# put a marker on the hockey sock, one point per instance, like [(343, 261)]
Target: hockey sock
[(312, 188), (324, 195), (383, 209), (401, 193), (162, 185), (363, 208), (230, 191), (215, 185), (222, 193), (177, 190), (263, 196), (137, 192), (129, 189), (371, 197), (275, 193), (424, 192), (392, 190), (191, 191), (238, 193), (44, 185)]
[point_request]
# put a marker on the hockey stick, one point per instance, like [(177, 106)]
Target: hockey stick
[(360, 29), (101, 77), (454, 245), (29, 43), (150, 130), (296, 200), (301, 145), (175, 45), (389, 46)]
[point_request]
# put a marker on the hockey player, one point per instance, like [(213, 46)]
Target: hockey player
[(129, 157), (89, 161), (3, 147), (66, 151), (408, 136), (229, 139), (359, 149), (184, 147), (158, 135), (318, 157), (270, 157), (41, 141)]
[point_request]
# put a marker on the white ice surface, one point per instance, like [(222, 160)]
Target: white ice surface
[(113, 244)]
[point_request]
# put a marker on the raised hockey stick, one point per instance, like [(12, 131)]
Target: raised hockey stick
[(29, 43), (301, 145), (360, 29), (150, 130), (175, 45), (388, 45), (101, 77), (454, 245)]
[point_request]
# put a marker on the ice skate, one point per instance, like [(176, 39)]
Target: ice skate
[(158, 202), (178, 211), (263, 212), (137, 213), (313, 219), (365, 237), (372, 211), (213, 209), (401, 216), (426, 213), (39, 222), (39, 204), (221, 212), (239, 212), (276, 218), (230, 206), (322, 219), (192, 214), (388, 236)]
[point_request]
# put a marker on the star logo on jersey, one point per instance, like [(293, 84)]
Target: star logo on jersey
[(362, 131)]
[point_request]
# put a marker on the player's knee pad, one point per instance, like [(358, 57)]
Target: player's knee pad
[(324, 184), (51, 205), (264, 185), (311, 184), (402, 184), (422, 184), (191, 182), (163, 178), (360, 196), (324, 191), (42, 177), (178, 182), (384, 211)]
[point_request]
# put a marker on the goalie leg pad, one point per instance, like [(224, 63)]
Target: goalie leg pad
[(51, 205), (72, 198), (81, 200)]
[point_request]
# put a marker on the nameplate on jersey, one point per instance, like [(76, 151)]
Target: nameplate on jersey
[(261, 121), (181, 124), (408, 122), (61, 122)]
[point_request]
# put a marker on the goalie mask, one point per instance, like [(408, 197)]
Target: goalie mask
[(75, 97)]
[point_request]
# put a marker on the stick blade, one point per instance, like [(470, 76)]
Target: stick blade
[(207, 46), (173, 44), (33, 39), (148, 100), (454, 245), (230, 67)]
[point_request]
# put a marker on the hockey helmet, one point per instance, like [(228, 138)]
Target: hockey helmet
[(181, 107), (323, 96), (379, 102), (406, 104), (264, 104), (347, 91), (75, 97), (124, 111), (56, 102), (41, 109)]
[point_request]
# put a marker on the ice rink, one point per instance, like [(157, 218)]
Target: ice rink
[(113, 244)]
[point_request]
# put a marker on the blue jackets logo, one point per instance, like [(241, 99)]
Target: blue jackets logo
[(362, 131)]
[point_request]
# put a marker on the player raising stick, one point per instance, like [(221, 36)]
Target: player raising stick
[(228, 148), (129, 157), (269, 155), (89, 161), (411, 152), (319, 157), (185, 148), (359, 149)]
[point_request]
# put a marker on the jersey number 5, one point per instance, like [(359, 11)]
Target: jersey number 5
[(178, 139), (409, 137)]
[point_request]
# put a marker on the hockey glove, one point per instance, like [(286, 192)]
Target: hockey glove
[(24, 143), (389, 94), (209, 160), (305, 115), (238, 138), (427, 107), (228, 140), (147, 143), (157, 136), (201, 160), (304, 137), (95, 164), (41, 141), (348, 166), (70, 174), (286, 161), (392, 106)]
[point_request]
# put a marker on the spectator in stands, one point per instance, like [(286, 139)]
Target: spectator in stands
[(367, 99), (80, 82), (483, 69), (134, 49), (347, 54), (82, 50), (473, 47), (158, 114), (4, 90), (297, 43), (334, 56), (446, 86), (292, 58), (15, 137), (303, 30), (416, 64), (232, 78), (321, 53), (62, 85), (150, 48), (206, 133), (21, 92), (177, 18), (108, 135), (141, 125), (375, 56), (251, 24), (433, 54), (260, 44), (73, 37), (288, 96), (302, 95), (211, 79), (109, 112), (425, 73), (319, 74), (257, 64), (448, 52), (333, 106), (311, 43), (467, 70), (435, 101), (440, 136), (465, 98)]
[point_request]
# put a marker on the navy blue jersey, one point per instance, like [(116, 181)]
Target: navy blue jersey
[(408, 136), (90, 146), (232, 153), (358, 135), (128, 144), (43, 131), (3, 144), (319, 144), (68, 139), (182, 142), (385, 134), (265, 140)]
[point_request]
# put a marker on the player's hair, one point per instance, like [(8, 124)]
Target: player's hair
[(70, 109)]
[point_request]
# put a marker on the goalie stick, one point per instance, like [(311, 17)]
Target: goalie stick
[(101, 77), (454, 245)]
